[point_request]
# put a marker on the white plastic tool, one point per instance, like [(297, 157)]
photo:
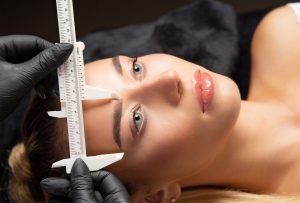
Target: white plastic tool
[(73, 90)]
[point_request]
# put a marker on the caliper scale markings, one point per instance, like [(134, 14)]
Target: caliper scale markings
[(73, 90)]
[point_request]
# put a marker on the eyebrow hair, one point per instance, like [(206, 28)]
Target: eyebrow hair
[(116, 122), (117, 64)]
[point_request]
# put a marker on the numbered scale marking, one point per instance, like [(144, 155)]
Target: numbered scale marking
[(73, 90)]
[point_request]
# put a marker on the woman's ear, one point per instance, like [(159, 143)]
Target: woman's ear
[(168, 193)]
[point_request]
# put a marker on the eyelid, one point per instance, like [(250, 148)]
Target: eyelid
[(136, 61), (133, 129)]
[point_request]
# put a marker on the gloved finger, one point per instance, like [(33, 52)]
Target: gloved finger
[(56, 199), (49, 83), (98, 196), (57, 186), (40, 90), (81, 183), (110, 187), (20, 48), (46, 62)]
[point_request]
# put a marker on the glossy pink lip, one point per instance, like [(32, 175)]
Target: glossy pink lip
[(204, 89)]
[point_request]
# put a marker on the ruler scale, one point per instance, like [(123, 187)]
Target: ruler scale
[(73, 90)]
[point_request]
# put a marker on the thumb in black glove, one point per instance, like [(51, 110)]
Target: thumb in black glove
[(83, 186), (24, 61)]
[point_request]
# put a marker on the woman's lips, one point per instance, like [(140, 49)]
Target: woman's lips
[(204, 89)]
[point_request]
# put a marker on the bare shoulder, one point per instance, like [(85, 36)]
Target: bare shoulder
[(277, 38), (275, 53)]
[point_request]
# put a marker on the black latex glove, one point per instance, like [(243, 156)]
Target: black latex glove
[(24, 61), (87, 187)]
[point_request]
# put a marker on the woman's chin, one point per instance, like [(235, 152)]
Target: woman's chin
[(226, 102)]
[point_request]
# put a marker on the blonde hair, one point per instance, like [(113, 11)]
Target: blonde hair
[(31, 160), (212, 195), (21, 184)]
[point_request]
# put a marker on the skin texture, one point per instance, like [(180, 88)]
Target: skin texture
[(172, 124), (262, 152), (251, 145)]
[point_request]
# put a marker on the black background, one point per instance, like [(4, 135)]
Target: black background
[(38, 17)]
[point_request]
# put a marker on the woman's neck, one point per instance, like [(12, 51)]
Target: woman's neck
[(256, 157)]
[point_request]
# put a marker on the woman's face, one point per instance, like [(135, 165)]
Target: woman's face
[(165, 132)]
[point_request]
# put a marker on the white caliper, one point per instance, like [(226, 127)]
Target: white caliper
[(73, 90)]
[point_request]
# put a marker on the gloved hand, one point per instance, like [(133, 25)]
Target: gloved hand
[(24, 61), (87, 187)]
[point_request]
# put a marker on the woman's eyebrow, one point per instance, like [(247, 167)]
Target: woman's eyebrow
[(116, 122), (117, 64)]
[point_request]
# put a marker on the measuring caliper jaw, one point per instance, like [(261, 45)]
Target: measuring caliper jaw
[(72, 91), (90, 93), (94, 163)]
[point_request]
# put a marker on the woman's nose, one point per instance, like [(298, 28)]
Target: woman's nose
[(165, 86)]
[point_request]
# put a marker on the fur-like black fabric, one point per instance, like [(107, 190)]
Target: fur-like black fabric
[(203, 32), (247, 23)]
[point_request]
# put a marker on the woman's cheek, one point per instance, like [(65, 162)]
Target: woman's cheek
[(163, 150)]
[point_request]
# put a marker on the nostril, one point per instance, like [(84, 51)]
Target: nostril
[(179, 88), (173, 74)]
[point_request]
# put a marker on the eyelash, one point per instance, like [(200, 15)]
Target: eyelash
[(136, 109), (138, 77)]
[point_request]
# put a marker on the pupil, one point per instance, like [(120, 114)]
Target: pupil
[(136, 68), (137, 117)]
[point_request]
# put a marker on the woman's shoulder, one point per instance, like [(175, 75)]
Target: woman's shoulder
[(281, 20), (275, 53), (277, 35)]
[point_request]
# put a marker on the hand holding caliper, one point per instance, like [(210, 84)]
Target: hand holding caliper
[(83, 186)]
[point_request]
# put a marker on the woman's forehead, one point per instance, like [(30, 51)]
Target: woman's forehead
[(98, 124), (98, 114), (98, 72)]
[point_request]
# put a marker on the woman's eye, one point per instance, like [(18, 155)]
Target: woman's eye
[(138, 120), (137, 69)]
